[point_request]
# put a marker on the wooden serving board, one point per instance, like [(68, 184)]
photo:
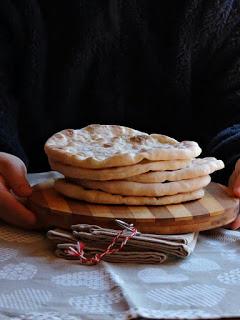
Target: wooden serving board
[(217, 208)]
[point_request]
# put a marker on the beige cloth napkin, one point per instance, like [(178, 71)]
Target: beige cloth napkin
[(141, 248)]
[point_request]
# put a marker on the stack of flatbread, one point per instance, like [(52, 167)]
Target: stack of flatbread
[(111, 164)]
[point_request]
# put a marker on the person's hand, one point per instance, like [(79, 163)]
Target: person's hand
[(13, 181), (234, 185)]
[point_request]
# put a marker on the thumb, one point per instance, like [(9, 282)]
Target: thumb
[(236, 186), (15, 174), (234, 180)]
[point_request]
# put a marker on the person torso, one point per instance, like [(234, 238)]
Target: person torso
[(109, 62)]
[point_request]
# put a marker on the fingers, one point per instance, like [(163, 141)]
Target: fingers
[(13, 211), (235, 224), (236, 186), (14, 172), (13, 176), (234, 180)]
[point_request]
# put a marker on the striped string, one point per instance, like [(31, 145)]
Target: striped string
[(79, 250)]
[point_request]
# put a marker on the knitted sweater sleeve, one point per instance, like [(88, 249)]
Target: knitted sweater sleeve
[(9, 138), (223, 99)]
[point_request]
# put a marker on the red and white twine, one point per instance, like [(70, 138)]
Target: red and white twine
[(79, 251)]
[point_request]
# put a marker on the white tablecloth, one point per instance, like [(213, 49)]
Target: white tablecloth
[(35, 285)]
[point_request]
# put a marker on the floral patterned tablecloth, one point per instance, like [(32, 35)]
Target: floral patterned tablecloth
[(35, 285)]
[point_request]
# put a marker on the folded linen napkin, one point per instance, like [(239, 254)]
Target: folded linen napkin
[(141, 248), (118, 257)]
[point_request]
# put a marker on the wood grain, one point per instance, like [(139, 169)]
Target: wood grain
[(217, 208)]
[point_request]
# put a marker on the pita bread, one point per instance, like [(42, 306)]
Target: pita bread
[(104, 146), (197, 168), (129, 188), (100, 197), (119, 172)]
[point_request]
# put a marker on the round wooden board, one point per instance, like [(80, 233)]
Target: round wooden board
[(217, 208)]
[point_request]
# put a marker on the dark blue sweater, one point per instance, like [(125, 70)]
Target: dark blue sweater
[(170, 67)]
